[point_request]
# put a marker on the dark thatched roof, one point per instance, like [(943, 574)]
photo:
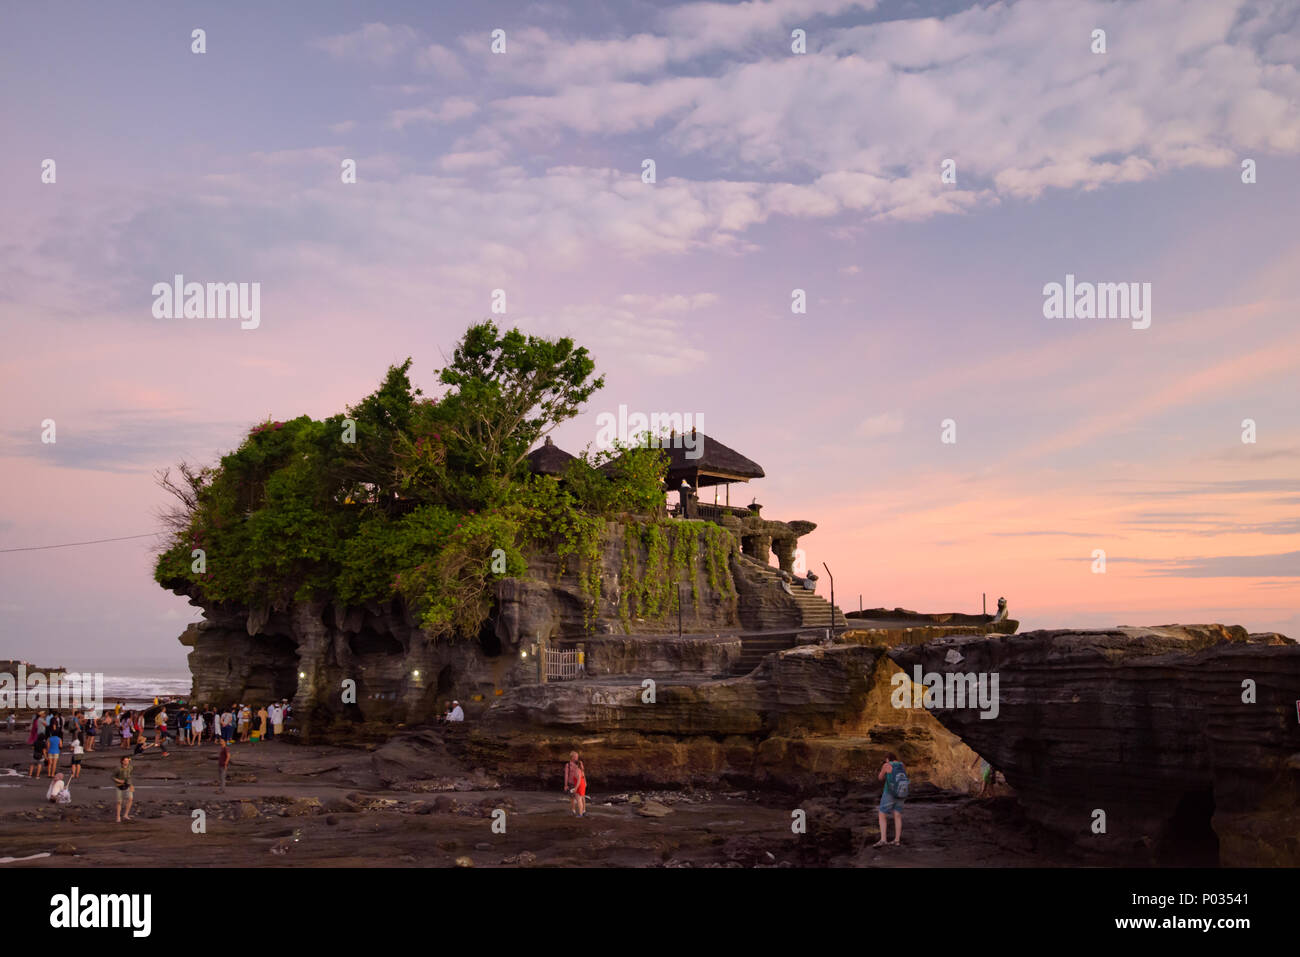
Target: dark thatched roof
[(548, 459), (701, 460)]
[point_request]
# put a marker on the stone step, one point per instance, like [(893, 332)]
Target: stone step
[(814, 610)]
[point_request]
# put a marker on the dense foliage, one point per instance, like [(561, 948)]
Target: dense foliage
[(409, 497)]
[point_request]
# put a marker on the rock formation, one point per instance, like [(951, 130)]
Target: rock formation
[(808, 718), (307, 650), (1184, 736)]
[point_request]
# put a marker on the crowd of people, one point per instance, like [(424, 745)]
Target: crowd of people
[(53, 735)]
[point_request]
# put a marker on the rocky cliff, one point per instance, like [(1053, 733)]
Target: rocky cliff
[(308, 650), (1178, 744), (808, 718)]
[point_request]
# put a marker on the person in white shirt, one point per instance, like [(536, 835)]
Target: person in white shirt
[(58, 792), (455, 714)]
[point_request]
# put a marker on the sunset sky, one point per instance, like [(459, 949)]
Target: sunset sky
[(775, 171)]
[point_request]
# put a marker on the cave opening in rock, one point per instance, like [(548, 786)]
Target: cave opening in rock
[(488, 641), (446, 679), (1189, 839), (369, 642)]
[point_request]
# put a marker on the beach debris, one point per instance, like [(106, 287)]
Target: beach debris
[(464, 861), (654, 809), (29, 857), (65, 848), (303, 807), (954, 657)]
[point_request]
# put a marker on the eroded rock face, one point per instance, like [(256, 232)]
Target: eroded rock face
[(809, 717), (1147, 725), (307, 651), (660, 655)]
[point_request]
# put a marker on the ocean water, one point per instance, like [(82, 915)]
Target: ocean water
[(138, 691)]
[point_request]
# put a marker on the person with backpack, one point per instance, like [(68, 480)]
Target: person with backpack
[(892, 797)]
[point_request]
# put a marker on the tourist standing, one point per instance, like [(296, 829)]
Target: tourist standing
[(10, 722), (895, 792), (38, 757), (92, 729), (77, 752), (196, 728), (54, 749), (262, 721), (575, 782), (223, 762), (38, 727), (986, 775), (125, 789)]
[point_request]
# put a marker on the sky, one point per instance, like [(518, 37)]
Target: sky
[(774, 171)]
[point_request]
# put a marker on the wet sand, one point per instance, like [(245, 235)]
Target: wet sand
[(406, 803)]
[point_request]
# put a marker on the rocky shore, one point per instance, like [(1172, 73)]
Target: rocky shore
[(411, 803)]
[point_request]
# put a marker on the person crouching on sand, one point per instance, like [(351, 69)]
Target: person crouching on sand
[(58, 792), (575, 782)]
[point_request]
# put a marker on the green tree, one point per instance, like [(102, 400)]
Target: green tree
[(506, 392)]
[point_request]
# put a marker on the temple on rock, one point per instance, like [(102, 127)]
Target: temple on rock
[(697, 461)]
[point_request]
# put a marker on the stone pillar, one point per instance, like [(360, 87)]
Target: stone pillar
[(784, 548), (314, 643)]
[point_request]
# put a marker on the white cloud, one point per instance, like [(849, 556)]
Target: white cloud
[(878, 426), (375, 43), (449, 111)]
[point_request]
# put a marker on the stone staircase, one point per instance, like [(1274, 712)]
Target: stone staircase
[(814, 611), (754, 648), (815, 614)]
